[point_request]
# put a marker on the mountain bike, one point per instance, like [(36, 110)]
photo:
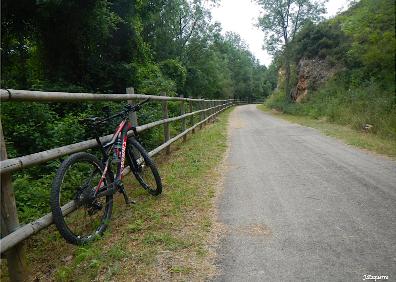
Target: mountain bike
[(82, 191)]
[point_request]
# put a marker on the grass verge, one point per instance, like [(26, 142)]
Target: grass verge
[(350, 136), (159, 238)]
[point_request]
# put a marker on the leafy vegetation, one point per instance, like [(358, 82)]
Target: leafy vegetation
[(281, 21), (360, 44), (161, 238), (104, 46)]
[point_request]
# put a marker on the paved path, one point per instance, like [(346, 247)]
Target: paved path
[(299, 206)]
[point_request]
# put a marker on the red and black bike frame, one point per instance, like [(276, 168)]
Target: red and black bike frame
[(121, 133)]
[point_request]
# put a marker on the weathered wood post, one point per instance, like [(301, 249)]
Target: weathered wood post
[(17, 267), (213, 104), (209, 111), (166, 125), (132, 115), (192, 116), (209, 105), (202, 114), (183, 121)]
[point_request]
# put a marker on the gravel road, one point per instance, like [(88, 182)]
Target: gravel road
[(300, 206)]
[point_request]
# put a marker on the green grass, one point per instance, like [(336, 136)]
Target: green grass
[(347, 134), (159, 238), (354, 106)]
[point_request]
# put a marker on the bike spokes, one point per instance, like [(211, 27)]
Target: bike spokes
[(76, 181)]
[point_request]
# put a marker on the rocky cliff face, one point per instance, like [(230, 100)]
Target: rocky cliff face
[(312, 73)]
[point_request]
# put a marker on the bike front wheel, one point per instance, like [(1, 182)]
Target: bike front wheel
[(143, 167), (74, 185)]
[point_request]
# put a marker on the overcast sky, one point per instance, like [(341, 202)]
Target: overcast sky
[(240, 16)]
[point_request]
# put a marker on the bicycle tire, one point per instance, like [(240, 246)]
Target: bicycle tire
[(150, 179), (80, 173)]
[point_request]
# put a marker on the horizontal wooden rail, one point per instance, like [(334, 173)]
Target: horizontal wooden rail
[(16, 164), (29, 229), (40, 96), (161, 147), (13, 236)]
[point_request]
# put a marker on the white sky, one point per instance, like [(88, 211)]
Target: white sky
[(240, 16)]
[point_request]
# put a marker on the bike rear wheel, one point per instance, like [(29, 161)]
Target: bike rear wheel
[(143, 167), (75, 182)]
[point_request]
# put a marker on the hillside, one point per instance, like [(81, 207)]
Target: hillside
[(343, 70)]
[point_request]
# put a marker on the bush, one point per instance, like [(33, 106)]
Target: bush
[(369, 103), (32, 197)]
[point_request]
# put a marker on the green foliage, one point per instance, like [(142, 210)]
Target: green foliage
[(365, 104), (27, 127), (175, 71), (103, 46), (32, 196), (325, 40), (361, 39), (281, 20), (152, 81), (360, 43), (371, 26)]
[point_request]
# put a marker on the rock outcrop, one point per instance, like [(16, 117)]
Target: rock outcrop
[(312, 73)]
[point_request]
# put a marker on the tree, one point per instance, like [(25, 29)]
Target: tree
[(280, 22)]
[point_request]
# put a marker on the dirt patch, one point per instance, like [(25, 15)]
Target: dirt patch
[(276, 112), (256, 230), (236, 121)]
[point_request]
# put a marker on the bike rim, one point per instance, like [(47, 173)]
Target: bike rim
[(90, 217), (143, 171)]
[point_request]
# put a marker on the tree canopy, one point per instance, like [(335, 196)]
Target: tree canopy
[(281, 21), (105, 46)]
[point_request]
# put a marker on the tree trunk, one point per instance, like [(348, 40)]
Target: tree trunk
[(287, 75)]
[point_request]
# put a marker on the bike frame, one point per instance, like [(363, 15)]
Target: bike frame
[(122, 133)]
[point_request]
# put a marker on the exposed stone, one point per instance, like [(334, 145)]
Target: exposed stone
[(312, 73)]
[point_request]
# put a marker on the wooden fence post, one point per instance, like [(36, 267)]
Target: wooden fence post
[(203, 114), (192, 116), (17, 267), (132, 115), (183, 121), (166, 125), (214, 110), (209, 111)]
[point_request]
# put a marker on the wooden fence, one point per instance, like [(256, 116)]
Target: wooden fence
[(13, 235)]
